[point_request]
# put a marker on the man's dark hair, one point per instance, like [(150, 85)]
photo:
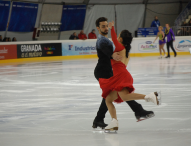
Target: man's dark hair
[(101, 19)]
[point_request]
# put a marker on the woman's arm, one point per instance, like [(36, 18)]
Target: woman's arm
[(118, 46), (156, 38)]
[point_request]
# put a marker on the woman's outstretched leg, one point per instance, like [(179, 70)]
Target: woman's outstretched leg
[(125, 96)]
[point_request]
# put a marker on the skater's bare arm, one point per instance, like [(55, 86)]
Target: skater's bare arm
[(156, 38)]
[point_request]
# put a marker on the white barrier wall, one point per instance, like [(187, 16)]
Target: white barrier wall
[(140, 46), (145, 45)]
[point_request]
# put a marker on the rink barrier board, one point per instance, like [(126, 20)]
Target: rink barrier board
[(79, 49), (76, 57)]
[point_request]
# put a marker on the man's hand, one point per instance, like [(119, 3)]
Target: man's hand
[(117, 57)]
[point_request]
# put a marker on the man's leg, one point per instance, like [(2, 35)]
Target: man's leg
[(139, 111), (136, 107), (167, 44), (99, 119), (171, 45)]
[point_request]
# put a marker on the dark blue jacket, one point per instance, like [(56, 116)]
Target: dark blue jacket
[(155, 23)]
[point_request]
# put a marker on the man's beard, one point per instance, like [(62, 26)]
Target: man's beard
[(104, 33)]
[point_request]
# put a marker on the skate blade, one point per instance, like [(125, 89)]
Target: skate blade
[(142, 119), (98, 128), (158, 97), (115, 129)]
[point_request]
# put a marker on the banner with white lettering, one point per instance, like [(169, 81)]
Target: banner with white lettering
[(39, 50)]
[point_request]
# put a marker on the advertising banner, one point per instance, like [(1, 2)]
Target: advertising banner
[(8, 52), (39, 50), (145, 46), (181, 44), (87, 47)]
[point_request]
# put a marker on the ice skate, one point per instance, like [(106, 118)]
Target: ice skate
[(113, 126), (160, 57), (144, 115), (99, 123), (153, 97)]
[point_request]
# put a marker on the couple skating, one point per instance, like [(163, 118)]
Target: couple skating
[(115, 81)]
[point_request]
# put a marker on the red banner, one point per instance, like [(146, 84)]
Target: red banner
[(8, 52)]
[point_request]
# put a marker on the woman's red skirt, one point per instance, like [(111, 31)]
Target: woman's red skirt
[(121, 79)]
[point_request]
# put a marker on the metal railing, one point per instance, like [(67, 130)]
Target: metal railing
[(182, 30)]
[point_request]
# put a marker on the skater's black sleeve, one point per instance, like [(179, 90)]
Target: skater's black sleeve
[(106, 47)]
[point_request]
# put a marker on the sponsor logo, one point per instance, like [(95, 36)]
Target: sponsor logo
[(148, 42), (70, 47), (4, 51), (49, 48), (84, 48), (183, 45), (31, 48), (147, 46)]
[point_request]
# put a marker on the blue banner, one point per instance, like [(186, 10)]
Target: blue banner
[(4, 14), (73, 17), (23, 17)]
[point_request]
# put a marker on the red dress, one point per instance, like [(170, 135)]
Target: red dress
[(121, 77)]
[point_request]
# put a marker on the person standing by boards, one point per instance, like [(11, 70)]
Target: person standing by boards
[(170, 39)]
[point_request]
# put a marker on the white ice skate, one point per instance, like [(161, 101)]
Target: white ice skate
[(113, 126), (160, 57), (153, 97)]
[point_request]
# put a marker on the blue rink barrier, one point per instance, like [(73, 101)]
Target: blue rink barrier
[(148, 32)]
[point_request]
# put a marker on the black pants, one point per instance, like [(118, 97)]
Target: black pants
[(170, 44), (136, 107)]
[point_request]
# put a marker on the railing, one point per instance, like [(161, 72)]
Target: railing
[(183, 15), (182, 30)]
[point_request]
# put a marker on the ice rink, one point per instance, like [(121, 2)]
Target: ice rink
[(54, 104)]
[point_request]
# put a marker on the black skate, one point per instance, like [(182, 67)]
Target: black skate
[(143, 115), (99, 123)]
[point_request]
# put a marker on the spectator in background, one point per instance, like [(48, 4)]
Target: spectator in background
[(82, 35), (14, 39), (184, 30), (5, 39), (156, 22), (1, 39), (184, 23), (189, 23), (73, 36), (92, 35), (9, 39)]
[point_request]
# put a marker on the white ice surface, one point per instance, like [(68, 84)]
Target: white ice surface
[(54, 104)]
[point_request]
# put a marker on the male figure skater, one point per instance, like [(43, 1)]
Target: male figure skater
[(103, 69)]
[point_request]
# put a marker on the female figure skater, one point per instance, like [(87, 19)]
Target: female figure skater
[(119, 87), (162, 41), (170, 38)]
